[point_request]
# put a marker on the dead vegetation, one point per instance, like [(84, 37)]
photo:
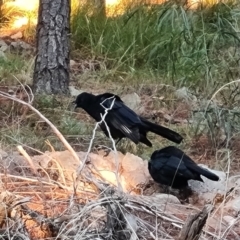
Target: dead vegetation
[(45, 197)]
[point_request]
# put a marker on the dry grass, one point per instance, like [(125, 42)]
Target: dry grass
[(34, 207)]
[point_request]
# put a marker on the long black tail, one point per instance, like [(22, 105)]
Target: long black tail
[(206, 173), (162, 131)]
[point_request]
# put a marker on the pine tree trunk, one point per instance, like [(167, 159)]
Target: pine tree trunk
[(51, 72)]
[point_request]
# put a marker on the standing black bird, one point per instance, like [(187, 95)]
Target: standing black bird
[(121, 120), (172, 167)]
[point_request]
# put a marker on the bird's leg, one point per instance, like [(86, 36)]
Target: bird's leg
[(106, 149), (185, 193)]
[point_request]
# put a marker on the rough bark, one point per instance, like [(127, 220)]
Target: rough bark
[(51, 72), (192, 229)]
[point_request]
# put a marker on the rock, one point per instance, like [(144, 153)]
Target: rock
[(133, 101), (229, 219), (25, 46), (21, 45), (184, 94), (74, 92), (72, 63), (3, 154), (135, 172), (106, 167), (17, 35), (208, 188), (234, 205), (166, 198), (233, 181), (3, 46), (62, 167), (208, 185), (96, 219), (131, 222), (2, 55)]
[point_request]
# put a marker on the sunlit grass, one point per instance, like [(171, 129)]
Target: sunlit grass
[(197, 48)]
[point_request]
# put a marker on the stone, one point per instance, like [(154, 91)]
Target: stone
[(74, 92), (208, 185), (17, 35), (3, 154), (2, 55), (72, 63), (21, 45), (208, 189), (166, 198), (132, 170), (184, 94), (135, 171), (132, 100), (3, 46), (234, 204), (229, 219), (131, 222), (106, 167)]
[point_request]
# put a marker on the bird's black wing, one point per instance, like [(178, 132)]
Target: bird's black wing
[(188, 162), (122, 118), (171, 166), (191, 165)]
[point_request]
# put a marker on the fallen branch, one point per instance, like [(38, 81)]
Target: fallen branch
[(55, 130), (193, 227)]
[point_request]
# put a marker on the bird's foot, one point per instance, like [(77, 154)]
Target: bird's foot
[(103, 148), (184, 194)]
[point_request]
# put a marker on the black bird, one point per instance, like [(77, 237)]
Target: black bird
[(172, 167), (121, 120)]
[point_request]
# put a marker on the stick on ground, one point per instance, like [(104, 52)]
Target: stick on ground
[(192, 229)]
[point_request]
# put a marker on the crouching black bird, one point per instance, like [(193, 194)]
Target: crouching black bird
[(172, 167), (121, 120)]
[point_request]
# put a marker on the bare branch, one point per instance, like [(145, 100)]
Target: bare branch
[(55, 130)]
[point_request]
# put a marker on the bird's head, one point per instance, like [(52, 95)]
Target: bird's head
[(82, 99)]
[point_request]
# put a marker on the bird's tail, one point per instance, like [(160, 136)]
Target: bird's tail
[(206, 173), (163, 131)]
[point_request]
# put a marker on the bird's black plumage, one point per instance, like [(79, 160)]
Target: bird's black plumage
[(172, 167), (121, 120)]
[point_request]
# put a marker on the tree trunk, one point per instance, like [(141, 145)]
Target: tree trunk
[(51, 72)]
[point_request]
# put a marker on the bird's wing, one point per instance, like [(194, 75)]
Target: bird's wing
[(123, 118), (191, 165), (172, 165)]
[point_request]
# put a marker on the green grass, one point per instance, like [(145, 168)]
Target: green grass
[(195, 48), (145, 46)]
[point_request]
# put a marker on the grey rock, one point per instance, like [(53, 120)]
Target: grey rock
[(234, 181), (72, 63), (208, 188), (74, 92), (21, 45), (133, 101), (184, 94), (3, 46), (2, 55), (234, 205), (166, 198), (131, 222), (229, 219), (3, 154), (17, 35)]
